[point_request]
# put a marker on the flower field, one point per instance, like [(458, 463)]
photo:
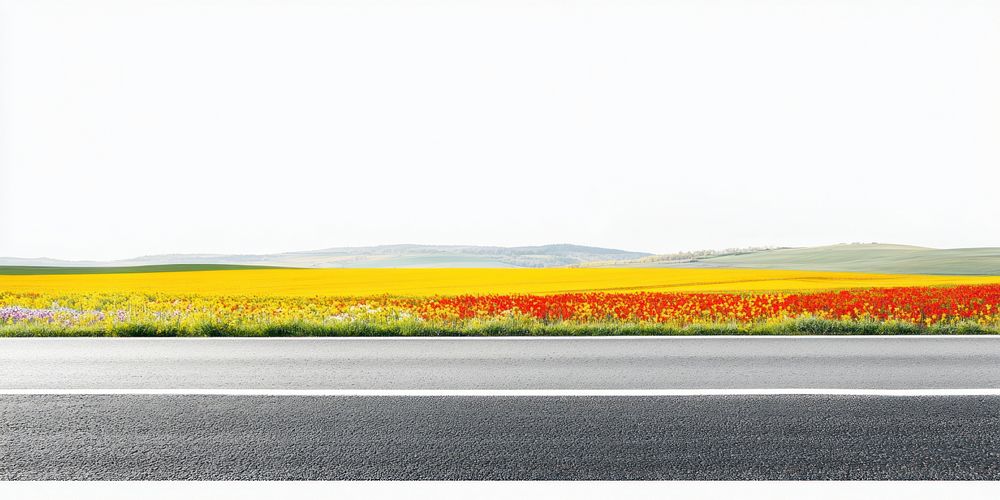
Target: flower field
[(437, 282), (889, 310)]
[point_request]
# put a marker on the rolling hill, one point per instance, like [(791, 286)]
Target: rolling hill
[(868, 258), (874, 258), (865, 258), (385, 256)]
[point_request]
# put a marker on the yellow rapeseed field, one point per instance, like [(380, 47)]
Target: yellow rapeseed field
[(426, 282)]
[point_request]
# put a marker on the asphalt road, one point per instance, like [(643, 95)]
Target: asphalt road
[(702, 437), (513, 363), (129, 436)]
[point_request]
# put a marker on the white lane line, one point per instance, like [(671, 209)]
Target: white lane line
[(505, 392)]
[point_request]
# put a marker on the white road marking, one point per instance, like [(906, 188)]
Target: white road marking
[(503, 392)]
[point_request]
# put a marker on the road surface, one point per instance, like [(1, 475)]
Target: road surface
[(498, 363), (141, 415)]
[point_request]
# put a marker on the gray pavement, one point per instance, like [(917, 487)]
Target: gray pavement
[(700, 437), (498, 363), (161, 436)]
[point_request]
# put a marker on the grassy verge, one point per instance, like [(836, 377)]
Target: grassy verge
[(496, 328)]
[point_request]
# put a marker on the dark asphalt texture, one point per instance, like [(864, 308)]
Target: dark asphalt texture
[(512, 438)]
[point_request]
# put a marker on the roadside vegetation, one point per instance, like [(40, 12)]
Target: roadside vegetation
[(501, 328), (965, 309)]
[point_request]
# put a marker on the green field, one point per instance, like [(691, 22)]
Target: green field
[(870, 258), (427, 261), (856, 258), (164, 268)]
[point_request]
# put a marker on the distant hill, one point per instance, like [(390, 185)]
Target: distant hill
[(405, 256), (24, 270), (874, 258), (869, 258), (675, 259)]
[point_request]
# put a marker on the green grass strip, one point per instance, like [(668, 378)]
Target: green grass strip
[(494, 328), (164, 268)]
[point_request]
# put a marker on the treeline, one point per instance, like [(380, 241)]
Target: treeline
[(702, 254)]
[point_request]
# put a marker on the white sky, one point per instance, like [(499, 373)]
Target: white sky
[(137, 127)]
